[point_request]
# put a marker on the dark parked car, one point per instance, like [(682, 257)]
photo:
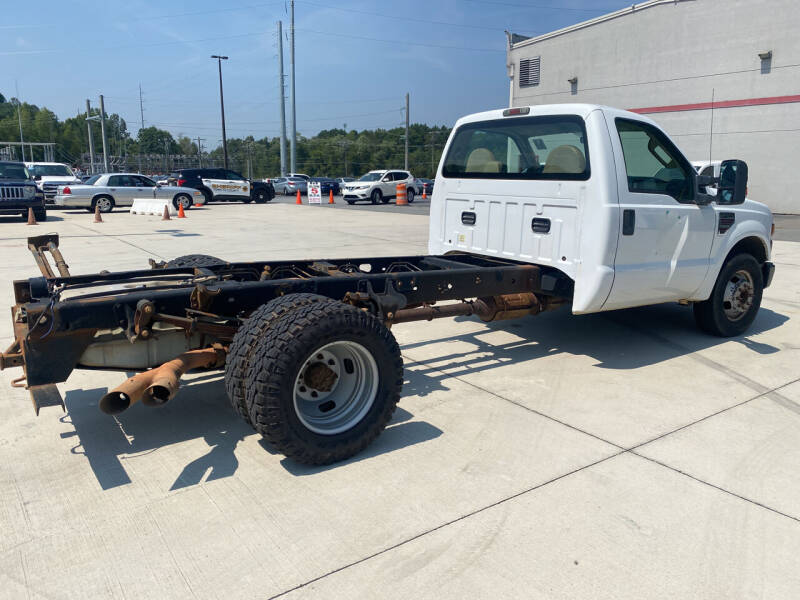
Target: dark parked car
[(327, 184), (223, 185), (424, 183), (18, 192)]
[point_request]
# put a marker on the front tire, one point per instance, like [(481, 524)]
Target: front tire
[(40, 215), (182, 199), (323, 381), (376, 196), (735, 299), (350, 202), (410, 195)]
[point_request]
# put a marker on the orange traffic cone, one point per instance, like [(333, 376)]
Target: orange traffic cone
[(97, 217), (330, 197), (166, 213), (298, 201), (424, 191), (181, 214), (31, 217)]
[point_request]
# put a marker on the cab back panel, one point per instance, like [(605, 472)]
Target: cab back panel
[(503, 225)]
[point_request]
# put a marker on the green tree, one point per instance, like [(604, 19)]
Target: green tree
[(152, 140)]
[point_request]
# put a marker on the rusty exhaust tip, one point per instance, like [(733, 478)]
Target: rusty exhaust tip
[(156, 395), (114, 402)]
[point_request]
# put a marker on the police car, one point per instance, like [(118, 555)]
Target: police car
[(223, 185)]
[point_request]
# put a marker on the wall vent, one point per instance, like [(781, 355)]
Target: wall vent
[(529, 69)]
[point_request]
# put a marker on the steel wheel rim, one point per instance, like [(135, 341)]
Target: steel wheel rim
[(104, 204), (346, 378), (739, 294)]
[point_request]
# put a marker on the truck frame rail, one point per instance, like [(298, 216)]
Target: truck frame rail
[(56, 318)]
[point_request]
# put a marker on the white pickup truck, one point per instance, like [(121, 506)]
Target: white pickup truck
[(532, 208), (604, 196)]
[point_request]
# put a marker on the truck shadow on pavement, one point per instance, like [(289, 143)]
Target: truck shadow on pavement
[(626, 339), (200, 411)]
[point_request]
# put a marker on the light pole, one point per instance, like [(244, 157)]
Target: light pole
[(222, 108)]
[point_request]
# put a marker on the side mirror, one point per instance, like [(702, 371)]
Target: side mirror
[(732, 182)]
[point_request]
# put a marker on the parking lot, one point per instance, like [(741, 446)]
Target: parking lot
[(616, 455), (418, 207)]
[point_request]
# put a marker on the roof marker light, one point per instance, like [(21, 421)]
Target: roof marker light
[(522, 110)]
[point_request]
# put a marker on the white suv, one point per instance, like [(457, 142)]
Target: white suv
[(379, 186)]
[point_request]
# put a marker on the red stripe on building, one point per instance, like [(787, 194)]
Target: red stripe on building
[(720, 104)]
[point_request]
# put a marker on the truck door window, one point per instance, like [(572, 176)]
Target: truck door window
[(652, 163), (551, 147)]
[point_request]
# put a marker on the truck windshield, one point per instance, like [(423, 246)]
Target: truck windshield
[(50, 170), (547, 147), (13, 171)]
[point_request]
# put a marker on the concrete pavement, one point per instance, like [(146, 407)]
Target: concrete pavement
[(623, 455)]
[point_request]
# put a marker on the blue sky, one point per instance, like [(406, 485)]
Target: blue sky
[(356, 59)]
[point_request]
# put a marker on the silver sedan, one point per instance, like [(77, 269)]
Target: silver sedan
[(119, 189)]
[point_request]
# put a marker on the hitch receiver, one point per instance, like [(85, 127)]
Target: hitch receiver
[(40, 244)]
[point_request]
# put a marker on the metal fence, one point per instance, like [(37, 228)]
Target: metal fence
[(146, 163)]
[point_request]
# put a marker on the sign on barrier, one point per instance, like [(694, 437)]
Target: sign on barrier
[(314, 192)]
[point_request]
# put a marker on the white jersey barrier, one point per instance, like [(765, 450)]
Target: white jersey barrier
[(152, 206)]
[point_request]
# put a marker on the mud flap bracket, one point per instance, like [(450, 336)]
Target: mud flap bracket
[(46, 395)]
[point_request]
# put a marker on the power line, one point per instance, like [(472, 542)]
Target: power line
[(396, 42), (543, 7), (407, 18)]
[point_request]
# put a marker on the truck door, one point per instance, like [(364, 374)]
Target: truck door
[(665, 237)]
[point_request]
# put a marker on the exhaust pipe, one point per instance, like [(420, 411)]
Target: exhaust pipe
[(494, 308), (157, 386)]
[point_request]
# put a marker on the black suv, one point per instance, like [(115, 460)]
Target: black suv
[(18, 192), (223, 185)]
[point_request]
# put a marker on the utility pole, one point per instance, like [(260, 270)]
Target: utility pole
[(103, 132), (293, 144), (406, 149), (91, 140), (19, 113), (166, 153), (433, 166), (141, 107), (199, 152), (249, 160), (343, 144), (222, 108), (282, 99)]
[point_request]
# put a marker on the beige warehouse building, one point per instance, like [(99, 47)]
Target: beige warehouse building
[(722, 77)]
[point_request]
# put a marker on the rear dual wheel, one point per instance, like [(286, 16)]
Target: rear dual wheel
[(317, 378)]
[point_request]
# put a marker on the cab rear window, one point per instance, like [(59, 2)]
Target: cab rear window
[(547, 147)]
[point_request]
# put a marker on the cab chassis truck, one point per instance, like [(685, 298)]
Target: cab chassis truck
[(533, 208)]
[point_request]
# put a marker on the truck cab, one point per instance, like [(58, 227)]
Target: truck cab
[(607, 198), (50, 175)]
